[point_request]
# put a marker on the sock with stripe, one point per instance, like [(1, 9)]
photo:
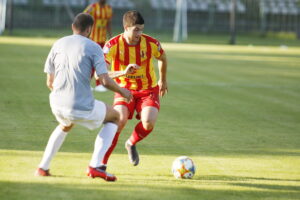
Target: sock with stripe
[(111, 148)]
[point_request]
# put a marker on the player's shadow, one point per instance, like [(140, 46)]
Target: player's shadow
[(67, 176), (248, 182)]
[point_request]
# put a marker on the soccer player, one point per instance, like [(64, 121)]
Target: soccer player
[(68, 67), (102, 14), (134, 47)]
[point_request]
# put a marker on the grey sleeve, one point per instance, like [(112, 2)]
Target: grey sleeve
[(49, 65), (99, 61)]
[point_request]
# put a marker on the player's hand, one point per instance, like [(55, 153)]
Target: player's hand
[(131, 68), (163, 88), (126, 94)]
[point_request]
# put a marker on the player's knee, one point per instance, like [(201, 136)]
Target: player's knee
[(66, 128), (122, 123), (148, 125)]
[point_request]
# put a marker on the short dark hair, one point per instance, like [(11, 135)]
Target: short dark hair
[(82, 21), (133, 17)]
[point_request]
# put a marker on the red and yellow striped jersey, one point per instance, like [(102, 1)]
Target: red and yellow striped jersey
[(119, 54), (102, 15)]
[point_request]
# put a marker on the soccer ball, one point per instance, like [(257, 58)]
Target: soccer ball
[(183, 167)]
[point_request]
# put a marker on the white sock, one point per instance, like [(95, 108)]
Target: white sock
[(54, 143), (129, 142), (102, 143)]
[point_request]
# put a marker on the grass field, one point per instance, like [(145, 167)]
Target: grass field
[(249, 39), (235, 110)]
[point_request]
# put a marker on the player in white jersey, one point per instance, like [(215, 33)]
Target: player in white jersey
[(68, 67)]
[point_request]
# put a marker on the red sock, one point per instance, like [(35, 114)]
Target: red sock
[(111, 148), (139, 133)]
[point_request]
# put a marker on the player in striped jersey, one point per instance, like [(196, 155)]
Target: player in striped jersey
[(102, 14), (135, 49)]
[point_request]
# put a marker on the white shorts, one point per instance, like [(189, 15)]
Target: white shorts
[(89, 119)]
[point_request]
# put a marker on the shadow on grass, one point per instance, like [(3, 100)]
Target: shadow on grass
[(269, 187), (103, 190), (242, 178)]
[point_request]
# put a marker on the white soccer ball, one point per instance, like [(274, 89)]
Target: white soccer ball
[(183, 167)]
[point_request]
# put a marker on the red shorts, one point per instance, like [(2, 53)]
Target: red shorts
[(141, 99)]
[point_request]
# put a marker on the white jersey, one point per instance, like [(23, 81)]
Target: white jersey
[(71, 60)]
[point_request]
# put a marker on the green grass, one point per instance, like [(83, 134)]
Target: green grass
[(249, 39), (235, 110)]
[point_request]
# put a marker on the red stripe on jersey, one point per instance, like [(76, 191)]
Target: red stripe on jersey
[(128, 83), (126, 52), (149, 38), (138, 54), (138, 62), (117, 63), (148, 64), (126, 61), (113, 41), (153, 40)]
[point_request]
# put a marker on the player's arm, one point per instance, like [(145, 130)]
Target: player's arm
[(49, 69), (130, 69), (50, 79), (162, 70), (110, 84)]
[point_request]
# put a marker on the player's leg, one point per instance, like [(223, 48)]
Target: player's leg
[(102, 144), (54, 143), (147, 107), (149, 116), (142, 130), (124, 114)]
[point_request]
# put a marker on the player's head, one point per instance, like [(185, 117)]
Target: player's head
[(83, 24), (133, 24), (102, 2)]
